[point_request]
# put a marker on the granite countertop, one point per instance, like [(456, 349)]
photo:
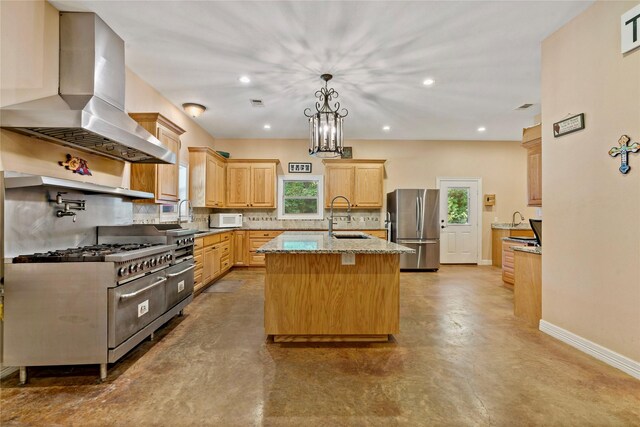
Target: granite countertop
[(319, 242), (508, 226), (529, 249), (213, 231), (525, 240)]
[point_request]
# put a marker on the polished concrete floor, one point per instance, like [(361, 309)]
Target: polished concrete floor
[(461, 359)]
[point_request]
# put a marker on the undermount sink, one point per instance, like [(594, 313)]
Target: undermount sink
[(351, 236)]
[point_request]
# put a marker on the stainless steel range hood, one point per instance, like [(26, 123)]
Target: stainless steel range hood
[(88, 114)]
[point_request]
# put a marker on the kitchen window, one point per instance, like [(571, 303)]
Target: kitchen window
[(300, 197)]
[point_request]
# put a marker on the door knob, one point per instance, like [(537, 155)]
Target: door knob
[(442, 226)]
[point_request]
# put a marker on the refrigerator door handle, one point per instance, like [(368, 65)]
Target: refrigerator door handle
[(418, 242), (421, 217), (417, 214)]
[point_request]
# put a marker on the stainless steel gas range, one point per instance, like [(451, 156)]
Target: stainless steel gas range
[(92, 305)]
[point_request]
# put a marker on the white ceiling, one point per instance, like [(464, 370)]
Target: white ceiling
[(484, 56)]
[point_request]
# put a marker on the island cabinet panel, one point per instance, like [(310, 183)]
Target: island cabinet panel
[(527, 295), (206, 178), (314, 297), (360, 181), (159, 179)]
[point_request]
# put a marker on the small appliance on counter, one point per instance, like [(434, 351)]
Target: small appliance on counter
[(225, 220)]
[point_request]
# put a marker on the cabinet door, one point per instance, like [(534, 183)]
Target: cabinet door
[(239, 249), (167, 179), (216, 266), (220, 183), (263, 194), (211, 189), (534, 175), (208, 262), (368, 186), (339, 181), (238, 185)]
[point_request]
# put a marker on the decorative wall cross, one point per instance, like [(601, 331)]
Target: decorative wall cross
[(623, 149)]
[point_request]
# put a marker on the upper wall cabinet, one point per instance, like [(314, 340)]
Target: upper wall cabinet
[(159, 179), (532, 141), (251, 183), (360, 181), (206, 178)]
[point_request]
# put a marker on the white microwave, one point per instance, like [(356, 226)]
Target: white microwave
[(225, 220)]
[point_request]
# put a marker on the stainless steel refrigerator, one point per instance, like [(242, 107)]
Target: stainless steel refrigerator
[(415, 223)]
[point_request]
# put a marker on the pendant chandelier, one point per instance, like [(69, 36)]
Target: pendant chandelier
[(325, 125)]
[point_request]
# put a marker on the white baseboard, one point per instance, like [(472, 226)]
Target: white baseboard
[(7, 370), (609, 357), (485, 262)]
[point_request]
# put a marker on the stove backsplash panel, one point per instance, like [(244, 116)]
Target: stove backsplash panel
[(31, 224)]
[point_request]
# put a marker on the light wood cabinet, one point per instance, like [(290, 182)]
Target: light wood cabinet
[(508, 261), (527, 293), (360, 181), (206, 178), (159, 179), (251, 183), (198, 255), (212, 256), (497, 234), (240, 251), (532, 142), (256, 239)]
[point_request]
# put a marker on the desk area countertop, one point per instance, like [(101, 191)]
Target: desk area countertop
[(509, 226), (529, 249), (319, 242)]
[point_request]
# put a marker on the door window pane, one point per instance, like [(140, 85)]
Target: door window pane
[(458, 205)]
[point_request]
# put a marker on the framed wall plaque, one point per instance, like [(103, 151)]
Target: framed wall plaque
[(299, 167), (568, 125)]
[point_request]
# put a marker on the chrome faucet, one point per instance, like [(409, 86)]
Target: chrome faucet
[(331, 217), (513, 219), (189, 212)]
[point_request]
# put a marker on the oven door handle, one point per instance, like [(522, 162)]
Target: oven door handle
[(180, 272), (145, 289)]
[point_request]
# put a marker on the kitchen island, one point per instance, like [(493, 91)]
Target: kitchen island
[(321, 288)]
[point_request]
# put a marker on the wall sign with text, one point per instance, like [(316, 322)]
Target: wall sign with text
[(299, 167), (568, 125), (630, 30)]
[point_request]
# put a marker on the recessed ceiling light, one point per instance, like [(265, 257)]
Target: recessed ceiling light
[(482, 129), (267, 126), (386, 128), (244, 79), (428, 82)]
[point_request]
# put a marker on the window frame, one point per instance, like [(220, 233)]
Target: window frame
[(320, 197)]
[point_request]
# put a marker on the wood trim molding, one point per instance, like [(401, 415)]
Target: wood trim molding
[(276, 161), (157, 117), (207, 150), (345, 161), (604, 354)]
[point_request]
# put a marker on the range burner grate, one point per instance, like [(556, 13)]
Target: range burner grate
[(93, 253)]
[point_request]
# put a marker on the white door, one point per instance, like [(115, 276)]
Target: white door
[(458, 221)]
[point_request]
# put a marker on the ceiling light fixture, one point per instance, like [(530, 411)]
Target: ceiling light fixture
[(193, 109), (325, 125), (267, 126), (428, 82), (386, 128), (482, 129), (244, 79)]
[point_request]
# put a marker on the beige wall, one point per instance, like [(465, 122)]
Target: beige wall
[(416, 164), (591, 260), (29, 70)]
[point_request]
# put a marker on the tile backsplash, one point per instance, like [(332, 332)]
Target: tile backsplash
[(360, 219)]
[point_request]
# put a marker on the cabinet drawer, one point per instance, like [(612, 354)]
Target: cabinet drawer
[(198, 259), (198, 244), (225, 249), (211, 240), (224, 237), (225, 264), (256, 259), (255, 244), (264, 233)]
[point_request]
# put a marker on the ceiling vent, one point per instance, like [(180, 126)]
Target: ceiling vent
[(256, 102), (524, 106)]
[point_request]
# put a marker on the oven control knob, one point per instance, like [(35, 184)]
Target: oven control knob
[(153, 262), (122, 271), (191, 240), (161, 260), (179, 242), (147, 264), (169, 257), (141, 266), (133, 268)]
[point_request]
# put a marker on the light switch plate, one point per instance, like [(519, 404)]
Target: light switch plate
[(348, 259)]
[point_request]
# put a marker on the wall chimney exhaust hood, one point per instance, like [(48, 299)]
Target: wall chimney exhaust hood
[(88, 113)]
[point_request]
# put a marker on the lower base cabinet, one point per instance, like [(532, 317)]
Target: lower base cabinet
[(212, 256), (508, 261)]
